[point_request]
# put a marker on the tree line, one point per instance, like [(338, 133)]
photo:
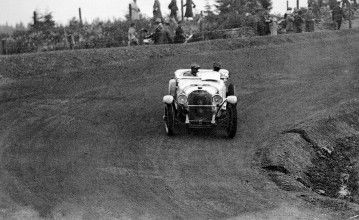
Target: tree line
[(44, 34)]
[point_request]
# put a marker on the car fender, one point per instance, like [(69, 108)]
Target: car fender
[(168, 99), (232, 99)]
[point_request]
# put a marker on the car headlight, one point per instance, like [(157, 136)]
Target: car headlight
[(217, 99), (182, 99)]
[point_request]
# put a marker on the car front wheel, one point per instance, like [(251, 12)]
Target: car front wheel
[(232, 120), (230, 89), (169, 119)]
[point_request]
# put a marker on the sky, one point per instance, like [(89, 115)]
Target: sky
[(16, 11)]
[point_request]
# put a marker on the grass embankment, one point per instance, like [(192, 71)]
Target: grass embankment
[(43, 63), (320, 154)]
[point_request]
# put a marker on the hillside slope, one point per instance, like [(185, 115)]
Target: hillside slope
[(82, 134)]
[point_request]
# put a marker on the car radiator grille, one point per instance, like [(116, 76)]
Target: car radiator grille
[(200, 113)]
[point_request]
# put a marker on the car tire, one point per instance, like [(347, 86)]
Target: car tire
[(169, 119), (232, 120), (230, 90)]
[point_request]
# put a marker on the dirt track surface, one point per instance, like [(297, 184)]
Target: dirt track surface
[(82, 135)]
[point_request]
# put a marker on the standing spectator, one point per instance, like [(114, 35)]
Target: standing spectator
[(71, 41), (158, 27), (273, 25), (298, 21), (157, 10), (337, 16), (316, 10), (135, 11), (189, 12), (289, 19), (179, 37), (173, 7), (309, 20), (267, 21), (161, 35), (345, 3), (309, 2), (172, 26), (132, 35), (167, 29), (263, 22)]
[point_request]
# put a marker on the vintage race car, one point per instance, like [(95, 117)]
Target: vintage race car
[(203, 101)]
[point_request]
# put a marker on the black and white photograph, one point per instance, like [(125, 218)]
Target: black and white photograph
[(179, 110)]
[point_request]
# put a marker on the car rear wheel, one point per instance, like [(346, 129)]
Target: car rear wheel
[(232, 120), (169, 119)]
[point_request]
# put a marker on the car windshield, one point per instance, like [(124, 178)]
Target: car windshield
[(210, 76)]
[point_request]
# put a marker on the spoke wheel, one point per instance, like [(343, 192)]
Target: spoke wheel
[(232, 120), (169, 119), (230, 89)]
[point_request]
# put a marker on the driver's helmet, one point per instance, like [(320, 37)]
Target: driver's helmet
[(217, 65), (195, 66)]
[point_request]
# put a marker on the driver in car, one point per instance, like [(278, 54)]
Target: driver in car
[(217, 66), (194, 70)]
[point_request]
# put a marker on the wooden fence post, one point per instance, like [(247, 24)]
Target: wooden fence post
[(350, 15), (130, 11), (182, 9), (80, 15), (35, 18), (201, 25)]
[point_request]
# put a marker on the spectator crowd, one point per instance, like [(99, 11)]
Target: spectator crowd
[(44, 35), (165, 31), (303, 19), (294, 21)]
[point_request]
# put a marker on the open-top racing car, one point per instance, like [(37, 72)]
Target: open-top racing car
[(202, 101)]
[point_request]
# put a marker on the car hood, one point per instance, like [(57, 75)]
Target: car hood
[(188, 86)]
